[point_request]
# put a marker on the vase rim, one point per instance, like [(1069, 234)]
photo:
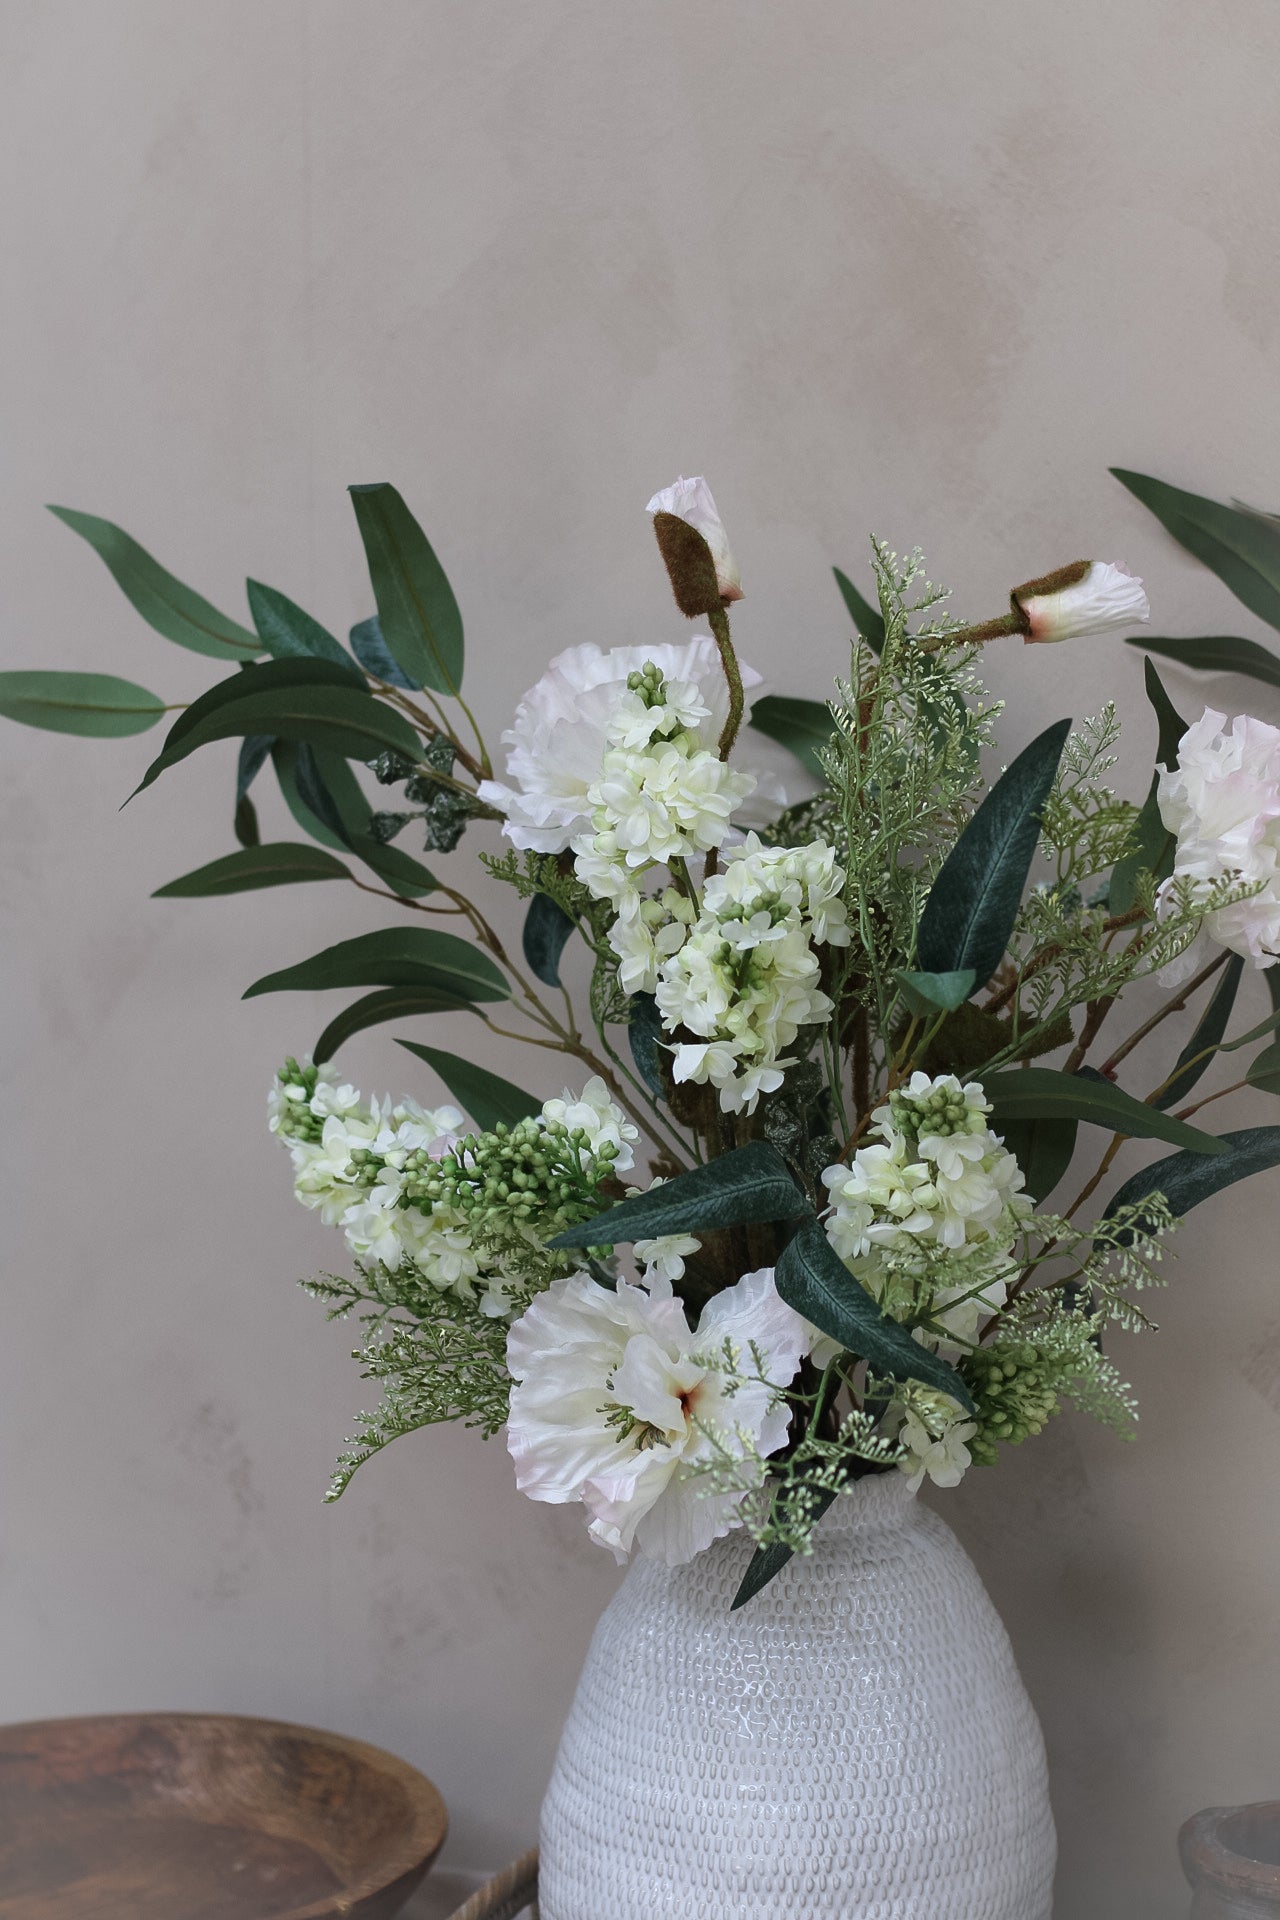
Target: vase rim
[(1214, 1847)]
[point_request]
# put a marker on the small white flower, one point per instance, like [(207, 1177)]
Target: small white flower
[(666, 1255), (601, 1121), (1222, 801), (935, 1433), (1091, 597), (615, 1399), (691, 501)]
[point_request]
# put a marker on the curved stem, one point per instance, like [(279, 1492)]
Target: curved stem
[(719, 623)]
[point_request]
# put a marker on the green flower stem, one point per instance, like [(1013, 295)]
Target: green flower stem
[(719, 623)]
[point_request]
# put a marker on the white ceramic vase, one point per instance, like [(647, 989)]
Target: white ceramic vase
[(856, 1741)]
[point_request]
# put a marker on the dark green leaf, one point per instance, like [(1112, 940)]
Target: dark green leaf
[(288, 633), (867, 619), (1268, 1025), (973, 903), (393, 957), (421, 624), (1264, 1072), (767, 1562), (164, 603), (87, 703), (1206, 1038), (255, 750), (284, 757), (644, 1031), (1151, 850), (1170, 722), (1043, 1149), (376, 657), (812, 1278), (487, 1097), (1218, 653), (546, 929), (266, 676), (927, 993), (277, 865), (741, 1188), (329, 789), (1185, 1179), (245, 822), (377, 1009), (1241, 547), (1042, 1093), (801, 726)]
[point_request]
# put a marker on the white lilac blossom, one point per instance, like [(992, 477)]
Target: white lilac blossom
[(746, 979), (560, 736), (691, 501), (617, 1402), (1093, 596), (1222, 802), (601, 1120), (934, 1437)]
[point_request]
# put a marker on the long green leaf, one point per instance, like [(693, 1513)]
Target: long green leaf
[(376, 657), (646, 1037), (1218, 653), (1241, 547), (1043, 1149), (812, 1278), (742, 1188), (1151, 850), (419, 617), (279, 864), (284, 758), (1042, 1093), (928, 993), (378, 1009), (1170, 723), (330, 791), (164, 603), (342, 719), (1204, 1042), (803, 727), (1264, 1071), (288, 633), (868, 620), (487, 1097), (973, 903), (767, 1562), (547, 928), (98, 704), (393, 957), (1185, 1179)]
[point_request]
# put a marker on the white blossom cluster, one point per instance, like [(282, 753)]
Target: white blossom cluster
[(1222, 801)]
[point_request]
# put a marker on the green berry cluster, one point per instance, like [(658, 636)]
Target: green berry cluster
[(942, 1111), (298, 1122), (536, 1170), (1012, 1384)]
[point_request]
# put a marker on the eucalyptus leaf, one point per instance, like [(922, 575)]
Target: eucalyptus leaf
[(255, 751), (288, 633), (378, 1009), (1241, 547), (164, 603), (767, 1562), (1264, 1072), (1043, 1149), (1217, 653), (547, 928), (285, 755), (96, 704), (1185, 1179), (329, 789), (973, 903), (421, 624), (928, 993), (279, 864), (1169, 721), (1151, 850), (393, 957), (742, 1188), (645, 1033), (487, 1097), (244, 822), (376, 657), (1207, 1038), (803, 727), (1042, 1093), (811, 1277), (868, 620)]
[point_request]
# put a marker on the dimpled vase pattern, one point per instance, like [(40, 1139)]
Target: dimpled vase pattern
[(856, 1741)]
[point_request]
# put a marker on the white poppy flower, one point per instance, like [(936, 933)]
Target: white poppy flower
[(1222, 801), (615, 1399), (1093, 596), (562, 727), (691, 501)]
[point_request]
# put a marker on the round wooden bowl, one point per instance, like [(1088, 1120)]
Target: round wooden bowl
[(203, 1816)]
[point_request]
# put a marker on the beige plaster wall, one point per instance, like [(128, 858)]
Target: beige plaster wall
[(921, 267)]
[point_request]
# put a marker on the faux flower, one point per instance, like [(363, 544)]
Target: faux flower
[(691, 501), (561, 733), (599, 1119), (1222, 801), (1092, 596), (617, 1400), (934, 1435)]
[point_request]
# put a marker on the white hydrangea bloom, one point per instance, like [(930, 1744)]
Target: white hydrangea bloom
[(558, 742), (663, 802), (1222, 801), (934, 1434), (691, 501), (599, 1118), (614, 1397)]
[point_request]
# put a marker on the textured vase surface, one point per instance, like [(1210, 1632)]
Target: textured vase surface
[(856, 1741)]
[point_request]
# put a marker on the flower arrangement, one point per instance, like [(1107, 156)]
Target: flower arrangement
[(831, 1052)]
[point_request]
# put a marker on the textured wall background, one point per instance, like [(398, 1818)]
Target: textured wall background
[(925, 269)]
